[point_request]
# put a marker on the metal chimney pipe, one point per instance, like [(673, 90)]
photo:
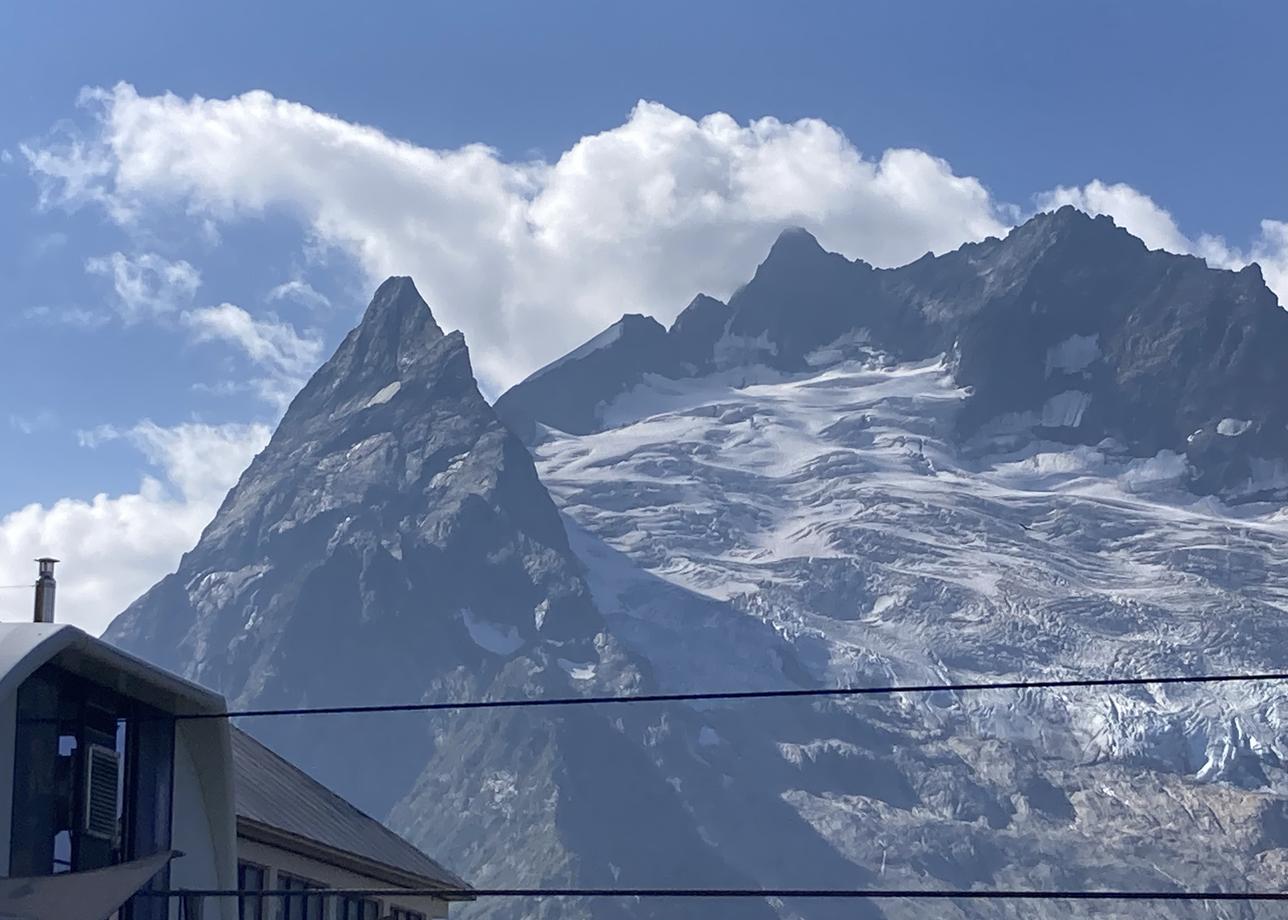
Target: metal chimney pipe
[(45, 586)]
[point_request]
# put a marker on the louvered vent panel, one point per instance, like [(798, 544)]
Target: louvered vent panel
[(101, 785)]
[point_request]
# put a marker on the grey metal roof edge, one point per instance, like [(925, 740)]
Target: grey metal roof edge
[(267, 834), (287, 771)]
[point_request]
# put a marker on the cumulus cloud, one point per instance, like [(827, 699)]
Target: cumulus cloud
[(285, 354), (115, 547), (530, 258), (300, 292), (1141, 216), (527, 258), (146, 285)]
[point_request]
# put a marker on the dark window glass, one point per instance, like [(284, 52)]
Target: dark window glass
[(351, 908), (400, 914), (250, 877), (302, 906)]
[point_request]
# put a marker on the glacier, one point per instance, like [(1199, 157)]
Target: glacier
[(834, 507)]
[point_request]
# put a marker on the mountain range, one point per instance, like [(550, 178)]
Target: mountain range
[(1058, 454)]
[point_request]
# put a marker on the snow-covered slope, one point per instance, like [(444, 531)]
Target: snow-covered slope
[(1054, 455), (832, 505)]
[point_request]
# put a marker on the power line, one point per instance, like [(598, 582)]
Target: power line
[(969, 894), (736, 695)]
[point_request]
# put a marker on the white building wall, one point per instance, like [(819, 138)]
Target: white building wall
[(204, 822)]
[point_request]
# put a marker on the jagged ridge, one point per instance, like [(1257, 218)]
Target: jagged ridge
[(1155, 331)]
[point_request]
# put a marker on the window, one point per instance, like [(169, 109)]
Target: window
[(250, 877), (351, 908), (301, 906), (398, 913)]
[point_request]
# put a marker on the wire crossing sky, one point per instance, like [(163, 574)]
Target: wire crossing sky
[(737, 695), (949, 894)]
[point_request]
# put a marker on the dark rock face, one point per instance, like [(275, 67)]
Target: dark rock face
[(393, 543), (1069, 328), (696, 330), (568, 392)]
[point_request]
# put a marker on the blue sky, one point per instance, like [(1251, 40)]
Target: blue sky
[(158, 309)]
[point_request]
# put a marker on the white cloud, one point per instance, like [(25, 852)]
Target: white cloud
[(1132, 210), (527, 258), (70, 172), (30, 424), (77, 317), (150, 286), (147, 285), (530, 258), (301, 292), (115, 547), (270, 343), (1141, 216)]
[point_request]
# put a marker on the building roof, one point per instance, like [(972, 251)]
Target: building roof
[(24, 647), (273, 793)]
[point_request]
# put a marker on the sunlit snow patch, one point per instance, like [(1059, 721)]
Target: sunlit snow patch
[(1164, 467), (578, 670), (385, 394), (1073, 355)]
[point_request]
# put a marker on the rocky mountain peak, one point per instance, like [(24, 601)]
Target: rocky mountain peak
[(797, 252), (795, 242), (396, 329), (393, 543), (396, 343), (389, 454)]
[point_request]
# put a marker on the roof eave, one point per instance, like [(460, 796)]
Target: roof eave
[(343, 859)]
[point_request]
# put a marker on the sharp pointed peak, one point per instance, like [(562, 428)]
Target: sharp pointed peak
[(397, 284), (795, 250), (699, 311), (397, 293), (398, 316), (796, 239)]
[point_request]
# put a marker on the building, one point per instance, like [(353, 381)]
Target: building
[(102, 773), (107, 772), (294, 833)]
